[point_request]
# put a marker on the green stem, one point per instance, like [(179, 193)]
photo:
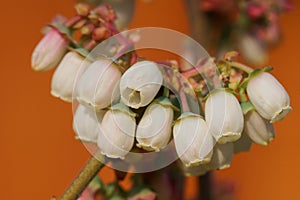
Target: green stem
[(88, 172), (166, 92), (240, 66), (243, 95)]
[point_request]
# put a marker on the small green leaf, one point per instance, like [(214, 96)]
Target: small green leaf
[(123, 108), (253, 74), (62, 29), (268, 69)]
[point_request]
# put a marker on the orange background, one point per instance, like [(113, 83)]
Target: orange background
[(39, 155)]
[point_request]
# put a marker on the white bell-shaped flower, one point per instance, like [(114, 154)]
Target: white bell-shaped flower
[(222, 156), (198, 170), (154, 129), (269, 97), (193, 142), (140, 84), (260, 130), (67, 74), (117, 131), (252, 49), (49, 51), (97, 84), (86, 122), (224, 116), (243, 144)]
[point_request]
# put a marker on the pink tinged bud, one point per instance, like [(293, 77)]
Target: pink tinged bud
[(86, 123), (140, 84), (269, 97), (260, 130), (67, 74), (224, 116), (154, 130), (270, 34), (192, 140), (222, 156), (49, 51), (252, 50), (116, 135), (255, 11), (243, 144), (96, 85)]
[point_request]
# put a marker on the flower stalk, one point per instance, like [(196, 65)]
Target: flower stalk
[(88, 172), (240, 66)]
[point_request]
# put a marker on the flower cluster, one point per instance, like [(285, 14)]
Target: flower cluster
[(124, 103), (249, 26)]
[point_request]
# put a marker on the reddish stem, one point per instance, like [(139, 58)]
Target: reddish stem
[(192, 72), (70, 22)]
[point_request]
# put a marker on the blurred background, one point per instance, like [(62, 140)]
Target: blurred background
[(39, 155)]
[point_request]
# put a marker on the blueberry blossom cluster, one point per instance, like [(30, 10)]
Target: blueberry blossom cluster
[(124, 104), (250, 26)]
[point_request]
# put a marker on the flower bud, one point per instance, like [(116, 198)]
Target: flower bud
[(252, 50), (116, 135), (192, 140), (49, 51), (243, 144), (67, 74), (154, 130), (269, 97), (96, 85), (86, 123), (260, 130), (198, 170), (221, 159), (140, 84), (224, 116), (222, 156)]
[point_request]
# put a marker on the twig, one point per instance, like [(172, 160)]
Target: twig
[(88, 172), (205, 187)]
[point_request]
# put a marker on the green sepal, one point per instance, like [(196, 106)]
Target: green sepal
[(164, 101), (123, 108), (81, 51), (246, 107), (62, 29), (185, 115), (253, 74), (218, 90)]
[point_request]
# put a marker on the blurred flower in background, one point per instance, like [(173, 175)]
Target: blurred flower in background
[(251, 27)]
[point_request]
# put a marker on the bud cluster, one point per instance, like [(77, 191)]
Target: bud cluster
[(126, 107)]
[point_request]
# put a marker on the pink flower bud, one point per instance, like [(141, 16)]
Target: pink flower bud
[(255, 11), (50, 50)]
